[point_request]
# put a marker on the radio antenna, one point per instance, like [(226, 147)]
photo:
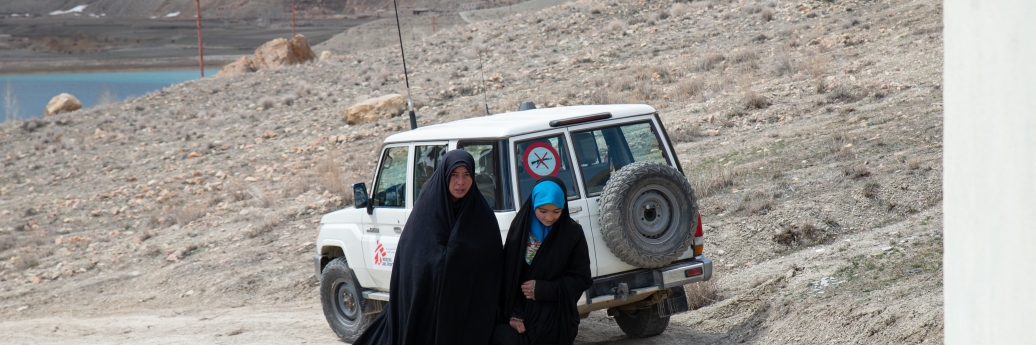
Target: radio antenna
[(406, 77), (482, 70)]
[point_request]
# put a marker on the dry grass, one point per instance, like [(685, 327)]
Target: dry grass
[(259, 197), (844, 94), (188, 213), (784, 65), (754, 100), (303, 90), (711, 182), (767, 15), (855, 172), (678, 10), (329, 175), (685, 133), (701, 294), (264, 226), (688, 89), (755, 203)]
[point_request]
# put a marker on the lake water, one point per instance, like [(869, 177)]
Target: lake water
[(31, 92)]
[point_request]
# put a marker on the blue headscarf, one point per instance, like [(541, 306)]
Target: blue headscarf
[(545, 192)]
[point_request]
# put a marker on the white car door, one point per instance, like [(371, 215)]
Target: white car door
[(602, 149), (547, 154), (390, 210)]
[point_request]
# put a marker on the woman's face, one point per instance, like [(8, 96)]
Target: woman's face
[(548, 214), (460, 182)]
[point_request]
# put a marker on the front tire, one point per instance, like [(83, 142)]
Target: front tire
[(343, 303)]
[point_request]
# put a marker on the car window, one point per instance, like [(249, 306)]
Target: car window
[(602, 151), (426, 159), (543, 157), (487, 171), (390, 190)]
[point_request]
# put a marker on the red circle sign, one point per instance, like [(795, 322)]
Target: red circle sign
[(541, 160)]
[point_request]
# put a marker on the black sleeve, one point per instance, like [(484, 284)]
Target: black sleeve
[(576, 277), (519, 308)]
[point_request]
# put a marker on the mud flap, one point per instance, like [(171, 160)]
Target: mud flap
[(675, 304)]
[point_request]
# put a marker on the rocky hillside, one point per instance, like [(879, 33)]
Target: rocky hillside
[(811, 131), (231, 9)]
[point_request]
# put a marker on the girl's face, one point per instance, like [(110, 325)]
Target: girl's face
[(548, 214)]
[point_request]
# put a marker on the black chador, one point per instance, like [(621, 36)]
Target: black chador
[(559, 267), (446, 273)]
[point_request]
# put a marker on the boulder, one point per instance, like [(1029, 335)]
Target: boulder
[(62, 103), (383, 107), (324, 55), (241, 66), (281, 52)]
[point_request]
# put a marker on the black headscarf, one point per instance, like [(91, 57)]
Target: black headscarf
[(446, 271), (561, 269)]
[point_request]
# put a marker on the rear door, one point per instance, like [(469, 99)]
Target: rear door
[(548, 154), (602, 149)]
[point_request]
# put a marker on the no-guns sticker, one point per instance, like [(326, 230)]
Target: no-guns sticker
[(541, 160)]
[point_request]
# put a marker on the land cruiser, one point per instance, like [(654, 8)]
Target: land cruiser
[(625, 186)]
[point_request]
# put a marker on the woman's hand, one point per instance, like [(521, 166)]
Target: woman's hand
[(529, 289), (518, 325)]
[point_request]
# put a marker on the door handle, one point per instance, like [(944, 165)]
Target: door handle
[(372, 230), (575, 209), (397, 229)]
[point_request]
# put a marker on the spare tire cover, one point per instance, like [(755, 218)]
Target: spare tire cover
[(648, 213)]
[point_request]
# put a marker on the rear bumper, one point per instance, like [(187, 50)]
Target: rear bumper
[(632, 286)]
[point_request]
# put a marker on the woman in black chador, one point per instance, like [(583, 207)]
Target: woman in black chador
[(446, 272), (546, 269)]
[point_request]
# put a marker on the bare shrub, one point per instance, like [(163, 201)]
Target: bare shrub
[(264, 226), (701, 294), (804, 234), (870, 190), (767, 15), (855, 172), (288, 100), (236, 191), (145, 235), (259, 198), (24, 262), (709, 62), (754, 100), (330, 177), (914, 164), (302, 90), (188, 213), (845, 94), (266, 103), (783, 65), (744, 56), (615, 26), (678, 10)]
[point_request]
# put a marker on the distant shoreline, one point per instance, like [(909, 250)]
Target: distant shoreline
[(113, 65)]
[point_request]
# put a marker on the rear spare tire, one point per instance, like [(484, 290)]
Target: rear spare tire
[(342, 300), (648, 214)]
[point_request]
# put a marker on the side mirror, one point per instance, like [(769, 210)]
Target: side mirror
[(360, 198)]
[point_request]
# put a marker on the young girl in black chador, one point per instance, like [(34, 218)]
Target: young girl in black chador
[(546, 269)]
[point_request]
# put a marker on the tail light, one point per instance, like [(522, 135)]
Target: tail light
[(699, 241)]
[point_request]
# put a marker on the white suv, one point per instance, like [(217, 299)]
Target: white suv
[(627, 190)]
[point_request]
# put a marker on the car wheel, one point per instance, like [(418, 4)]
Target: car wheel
[(344, 305), (641, 323), (648, 213)]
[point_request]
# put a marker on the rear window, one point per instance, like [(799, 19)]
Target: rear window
[(602, 151)]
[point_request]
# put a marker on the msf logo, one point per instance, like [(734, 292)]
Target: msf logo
[(380, 255)]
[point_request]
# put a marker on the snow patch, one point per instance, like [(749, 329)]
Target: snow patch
[(174, 14), (77, 9)]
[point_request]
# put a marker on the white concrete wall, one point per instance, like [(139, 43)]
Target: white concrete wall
[(989, 184)]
